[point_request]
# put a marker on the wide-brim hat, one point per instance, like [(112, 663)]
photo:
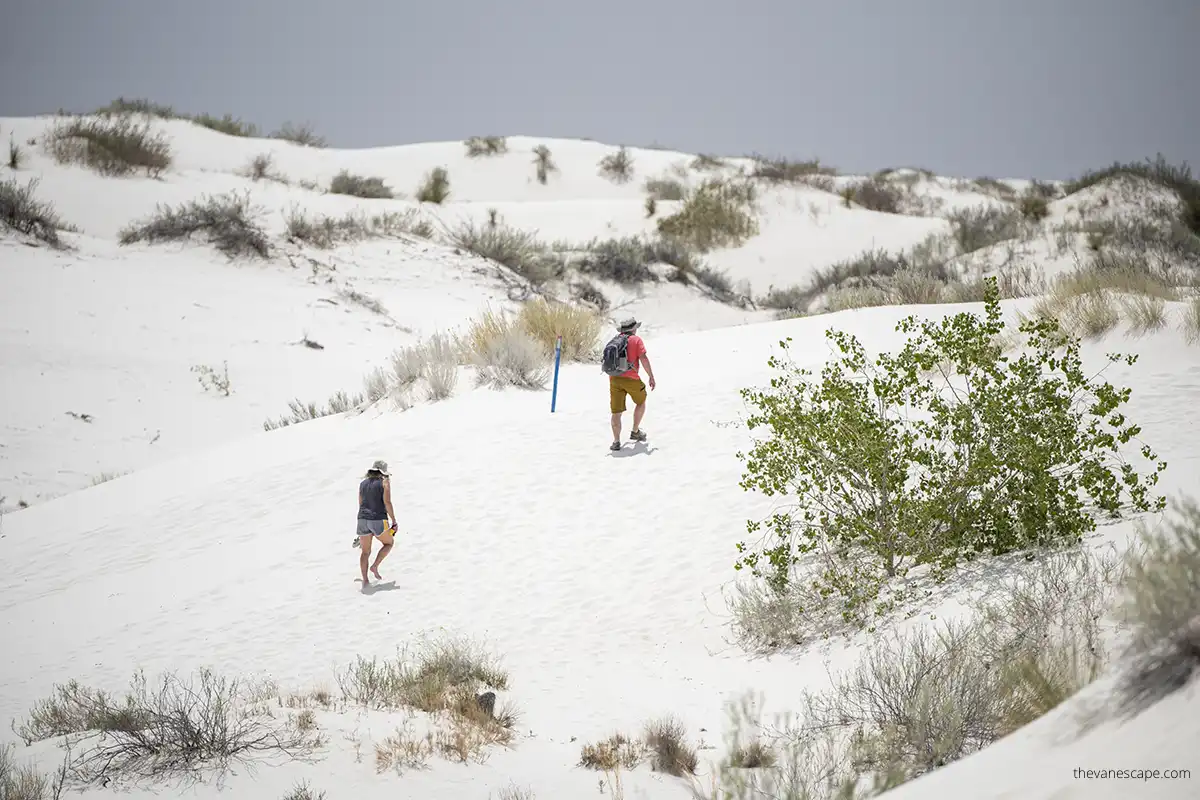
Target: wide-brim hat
[(629, 325), (380, 466)]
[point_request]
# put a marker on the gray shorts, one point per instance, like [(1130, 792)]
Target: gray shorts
[(371, 527)]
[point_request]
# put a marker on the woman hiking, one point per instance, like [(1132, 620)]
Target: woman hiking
[(374, 513)]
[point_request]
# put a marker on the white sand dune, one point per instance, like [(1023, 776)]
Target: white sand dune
[(599, 578)]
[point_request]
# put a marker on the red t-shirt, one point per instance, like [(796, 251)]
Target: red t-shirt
[(635, 348)]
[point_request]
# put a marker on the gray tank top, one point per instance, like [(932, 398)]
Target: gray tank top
[(372, 506)]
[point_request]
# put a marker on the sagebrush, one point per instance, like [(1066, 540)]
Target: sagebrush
[(228, 222)]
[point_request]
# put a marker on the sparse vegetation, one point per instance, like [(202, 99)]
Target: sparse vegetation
[(211, 378), (665, 189), (435, 188), (486, 146), (983, 226), (15, 156), (112, 146), (1159, 172), (878, 195), (359, 186), (782, 170), (543, 163), (618, 166), (228, 222), (920, 500), (520, 251), (1163, 604), (262, 167), (663, 742), (227, 123), (707, 163), (22, 212), (326, 232), (302, 134), (719, 213), (339, 403), (178, 727), (24, 781), (303, 791)]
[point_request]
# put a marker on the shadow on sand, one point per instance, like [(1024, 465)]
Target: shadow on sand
[(639, 448), (379, 587)]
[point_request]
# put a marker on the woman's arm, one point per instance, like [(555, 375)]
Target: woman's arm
[(387, 500)]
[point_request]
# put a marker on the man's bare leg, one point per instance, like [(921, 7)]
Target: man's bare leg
[(616, 427), (387, 541), (639, 411), (364, 556)]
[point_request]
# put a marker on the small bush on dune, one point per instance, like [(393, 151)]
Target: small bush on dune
[(625, 261), (1163, 604), (227, 222), (435, 187), (339, 403), (22, 212), (670, 753), (262, 167), (24, 781), (983, 226), (618, 166), (543, 163), (1178, 179), (302, 791), (665, 189), (227, 124), (520, 251), (359, 186), (876, 195), (782, 170), (707, 163), (433, 360), (15, 156), (579, 327), (486, 146), (302, 134), (513, 358), (113, 146), (1034, 206), (177, 727), (717, 214), (920, 500)]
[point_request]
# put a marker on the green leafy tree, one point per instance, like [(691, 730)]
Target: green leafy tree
[(944, 452)]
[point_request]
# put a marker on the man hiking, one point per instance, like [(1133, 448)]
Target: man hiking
[(622, 357)]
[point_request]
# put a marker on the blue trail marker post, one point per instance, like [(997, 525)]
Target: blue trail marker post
[(557, 359)]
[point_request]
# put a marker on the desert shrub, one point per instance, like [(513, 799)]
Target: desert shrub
[(625, 261), (359, 186), (545, 321), (175, 727), (514, 792), (588, 293), (1145, 314), (995, 188), (513, 358), (617, 751), (15, 156), (302, 134), (543, 163), (435, 187), (782, 170), (486, 146), (227, 222), (520, 251), (707, 163), (1034, 206), (871, 456), (665, 189), (876, 195), (618, 166), (339, 403), (325, 232), (22, 212), (983, 226), (113, 146), (433, 360), (422, 677), (262, 167), (716, 214), (226, 124), (1178, 179), (303, 791), (1191, 321), (1163, 605), (666, 739), (651, 206), (24, 781)]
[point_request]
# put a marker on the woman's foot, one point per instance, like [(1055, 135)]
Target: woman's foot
[(375, 572)]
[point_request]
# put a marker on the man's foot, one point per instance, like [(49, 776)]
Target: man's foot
[(637, 436), (615, 446)]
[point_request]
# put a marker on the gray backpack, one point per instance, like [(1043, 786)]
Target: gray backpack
[(616, 356)]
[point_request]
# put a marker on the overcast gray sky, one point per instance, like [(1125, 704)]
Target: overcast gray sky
[(1010, 88)]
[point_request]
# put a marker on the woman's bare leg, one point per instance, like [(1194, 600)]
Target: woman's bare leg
[(364, 555), (386, 540)]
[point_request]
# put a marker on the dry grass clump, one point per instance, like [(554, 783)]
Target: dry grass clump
[(360, 186), (665, 189), (1162, 601), (983, 226), (262, 167), (1191, 321), (543, 162), (404, 750), (227, 222), (226, 124), (325, 232), (520, 251), (478, 146), (878, 195), (921, 700), (24, 781), (718, 213), (112, 146), (707, 163), (433, 360), (339, 403), (302, 134), (435, 187), (177, 727), (1178, 179), (22, 212), (618, 166), (663, 742), (579, 327), (303, 791), (782, 170), (515, 349)]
